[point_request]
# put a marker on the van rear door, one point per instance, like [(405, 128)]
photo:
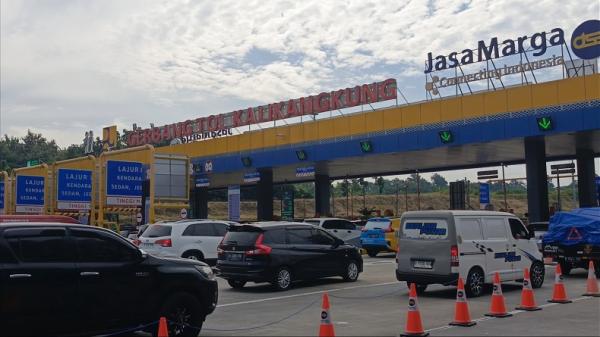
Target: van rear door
[(424, 246)]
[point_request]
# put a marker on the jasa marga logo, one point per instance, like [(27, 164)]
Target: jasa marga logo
[(585, 40)]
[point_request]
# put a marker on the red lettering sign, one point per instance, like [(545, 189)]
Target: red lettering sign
[(325, 101)]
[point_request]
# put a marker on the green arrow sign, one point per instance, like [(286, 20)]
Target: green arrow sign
[(446, 137), (301, 154), (366, 146), (545, 123)]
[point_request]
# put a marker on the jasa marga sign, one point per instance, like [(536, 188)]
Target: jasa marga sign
[(539, 42), (585, 43)]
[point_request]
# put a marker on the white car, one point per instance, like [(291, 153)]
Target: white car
[(341, 228), (190, 239)]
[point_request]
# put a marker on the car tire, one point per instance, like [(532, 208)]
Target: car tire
[(474, 285), (537, 274), (184, 315), (236, 284), (282, 279), (193, 255), (351, 274), (420, 287), (372, 253), (565, 267)]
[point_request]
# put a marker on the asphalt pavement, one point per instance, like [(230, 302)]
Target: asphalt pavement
[(376, 305)]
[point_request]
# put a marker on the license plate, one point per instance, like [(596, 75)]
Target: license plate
[(373, 236), (422, 264), (147, 245), (234, 257)]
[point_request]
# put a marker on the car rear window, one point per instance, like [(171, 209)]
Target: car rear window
[(378, 224), (240, 238), (155, 231), (425, 229)]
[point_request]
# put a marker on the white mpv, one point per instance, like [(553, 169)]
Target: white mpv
[(191, 239), (438, 246)]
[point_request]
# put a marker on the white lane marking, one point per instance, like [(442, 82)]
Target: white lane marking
[(374, 263), (306, 294), (514, 312)]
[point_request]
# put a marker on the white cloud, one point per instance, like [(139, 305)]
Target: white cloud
[(77, 65)]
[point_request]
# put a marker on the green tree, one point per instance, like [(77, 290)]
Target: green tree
[(438, 181)]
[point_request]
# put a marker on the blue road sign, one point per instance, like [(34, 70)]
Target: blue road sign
[(233, 202), (1, 195), (30, 194), (202, 182), (74, 189), (124, 183), (484, 193), (251, 177)]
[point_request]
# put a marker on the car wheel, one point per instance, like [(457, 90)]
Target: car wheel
[(565, 267), (537, 274), (420, 287), (475, 283), (184, 315), (236, 284), (282, 279), (372, 253), (351, 274), (197, 256)]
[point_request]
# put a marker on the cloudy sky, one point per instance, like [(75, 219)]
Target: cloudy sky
[(71, 66)]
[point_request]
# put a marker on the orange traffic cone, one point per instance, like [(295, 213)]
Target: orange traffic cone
[(497, 307), (592, 282), (559, 295), (413, 317), (326, 327), (462, 317), (527, 298), (162, 328)]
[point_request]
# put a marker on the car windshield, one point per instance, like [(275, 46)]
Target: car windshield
[(155, 231), (378, 224)]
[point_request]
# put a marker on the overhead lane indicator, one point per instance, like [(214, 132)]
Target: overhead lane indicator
[(366, 146), (446, 136), (545, 123)]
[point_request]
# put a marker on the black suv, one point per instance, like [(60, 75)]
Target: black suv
[(283, 252), (76, 279)]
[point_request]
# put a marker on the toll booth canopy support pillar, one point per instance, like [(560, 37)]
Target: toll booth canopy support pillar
[(585, 177), (264, 195), (199, 203), (322, 195), (537, 181)]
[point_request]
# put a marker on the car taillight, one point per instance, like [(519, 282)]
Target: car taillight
[(219, 249), (259, 247), (137, 242), (164, 242), (454, 256)]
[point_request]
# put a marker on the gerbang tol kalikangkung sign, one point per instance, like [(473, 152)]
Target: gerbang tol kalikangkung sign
[(310, 105)]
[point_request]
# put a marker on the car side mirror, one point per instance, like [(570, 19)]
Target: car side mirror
[(338, 242)]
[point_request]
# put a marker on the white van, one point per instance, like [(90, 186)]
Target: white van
[(437, 246)]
